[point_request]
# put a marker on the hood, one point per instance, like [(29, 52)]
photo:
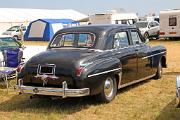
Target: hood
[(8, 32), (65, 59)]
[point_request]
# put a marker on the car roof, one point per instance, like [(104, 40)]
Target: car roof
[(105, 26), (5, 36), (95, 28)]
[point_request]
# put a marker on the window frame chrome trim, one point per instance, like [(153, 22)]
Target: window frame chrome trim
[(153, 55), (50, 44)]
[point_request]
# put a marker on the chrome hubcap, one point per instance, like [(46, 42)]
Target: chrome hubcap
[(108, 87)]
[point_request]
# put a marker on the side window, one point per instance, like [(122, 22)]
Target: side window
[(86, 40), (151, 24), (121, 40), (172, 21), (156, 24), (135, 38)]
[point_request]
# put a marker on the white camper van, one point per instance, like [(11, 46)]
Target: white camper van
[(170, 23), (113, 18)]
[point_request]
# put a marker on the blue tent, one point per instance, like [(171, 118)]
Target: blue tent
[(44, 29)]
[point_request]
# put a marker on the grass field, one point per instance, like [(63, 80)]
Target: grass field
[(149, 100)]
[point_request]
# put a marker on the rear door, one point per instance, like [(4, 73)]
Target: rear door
[(152, 29), (126, 54), (156, 28), (142, 52)]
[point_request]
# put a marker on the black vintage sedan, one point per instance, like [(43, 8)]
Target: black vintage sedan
[(91, 60)]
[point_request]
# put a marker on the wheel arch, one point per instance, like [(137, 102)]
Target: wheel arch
[(163, 61)]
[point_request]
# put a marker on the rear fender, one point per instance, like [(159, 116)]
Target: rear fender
[(94, 74), (103, 66)]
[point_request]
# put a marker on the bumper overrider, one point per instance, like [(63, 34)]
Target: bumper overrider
[(62, 92)]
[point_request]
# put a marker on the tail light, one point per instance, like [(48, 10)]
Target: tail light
[(161, 33), (79, 71)]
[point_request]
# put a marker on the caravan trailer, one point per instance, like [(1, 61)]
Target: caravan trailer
[(113, 18), (170, 23)]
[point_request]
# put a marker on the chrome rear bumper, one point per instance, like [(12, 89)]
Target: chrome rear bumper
[(64, 91)]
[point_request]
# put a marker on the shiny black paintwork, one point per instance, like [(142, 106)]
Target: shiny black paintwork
[(101, 57)]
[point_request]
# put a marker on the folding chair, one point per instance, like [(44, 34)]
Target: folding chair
[(12, 58)]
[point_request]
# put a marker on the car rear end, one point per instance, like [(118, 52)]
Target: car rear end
[(44, 80)]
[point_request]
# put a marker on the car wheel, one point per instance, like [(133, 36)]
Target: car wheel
[(109, 90), (159, 71), (157, 36), (146, 35)]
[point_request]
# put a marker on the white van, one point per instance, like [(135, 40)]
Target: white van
[(113, 18), (170, 23), (15, 31)]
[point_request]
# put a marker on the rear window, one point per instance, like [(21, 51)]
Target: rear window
[(74, 40), (172, 21)]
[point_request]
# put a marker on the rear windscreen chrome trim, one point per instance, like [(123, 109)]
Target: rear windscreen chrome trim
[(51, 46)]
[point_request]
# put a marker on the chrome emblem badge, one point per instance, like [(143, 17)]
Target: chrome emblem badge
[(44, 79)]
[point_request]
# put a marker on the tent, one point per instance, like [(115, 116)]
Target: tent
[(16, 16), (44, 29)]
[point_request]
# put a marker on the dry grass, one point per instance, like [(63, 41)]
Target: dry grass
[(35, 43), (149, 100)]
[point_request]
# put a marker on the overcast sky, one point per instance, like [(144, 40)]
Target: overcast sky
[(141, 7)]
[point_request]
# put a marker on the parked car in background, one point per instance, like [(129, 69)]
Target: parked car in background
[(16, 31), (178, 90), (8, 42), (91, 60), (7, 45), (148, 28)]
